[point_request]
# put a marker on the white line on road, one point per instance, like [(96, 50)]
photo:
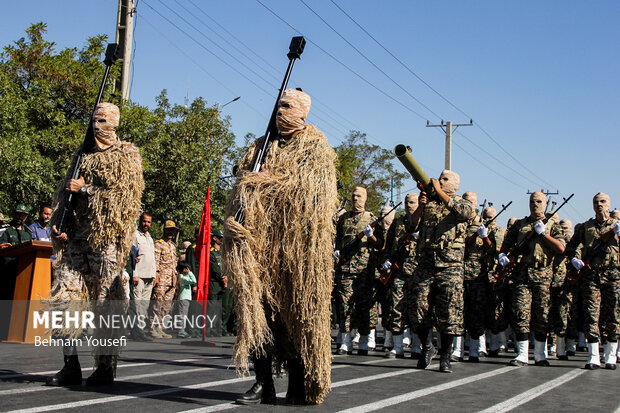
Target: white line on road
[(533, 393), (425, 392)]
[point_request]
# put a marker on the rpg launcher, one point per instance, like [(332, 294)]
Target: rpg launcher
[(403, 153), (522, 247), (598, 249), (352, 247), (111, 55), (296, 48)]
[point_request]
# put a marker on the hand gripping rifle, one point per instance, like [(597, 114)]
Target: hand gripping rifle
[(520, 248), (111, 55), (573, 275), (352, 247), (296, 48), (398, 259), (471, 239)]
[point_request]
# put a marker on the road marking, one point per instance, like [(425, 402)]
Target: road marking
[(533, 393), (233, 405), (87, 369), (425, 392), (111, 399)]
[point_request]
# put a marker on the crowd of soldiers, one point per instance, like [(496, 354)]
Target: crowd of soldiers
[(442, 266)]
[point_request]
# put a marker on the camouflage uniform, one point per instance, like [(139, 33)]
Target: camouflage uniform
[(563, 311), (354, 279), (163, 292), (435, 295), (499, 291), (532, 277), (396, 315), (601, 285), (476, 283)]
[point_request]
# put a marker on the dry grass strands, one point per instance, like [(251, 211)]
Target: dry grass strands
[(281, 256)]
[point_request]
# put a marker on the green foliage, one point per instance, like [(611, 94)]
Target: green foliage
[(362, 164), (46, 99)]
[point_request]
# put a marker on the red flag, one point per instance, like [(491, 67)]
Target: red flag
[(203, 251)]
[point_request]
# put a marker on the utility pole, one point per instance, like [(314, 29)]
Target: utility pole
[(447, 128), (124, 38)]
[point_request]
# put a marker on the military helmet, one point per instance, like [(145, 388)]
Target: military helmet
[(217, 233)]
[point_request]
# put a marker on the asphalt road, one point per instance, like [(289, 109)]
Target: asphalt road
[(184, 375)]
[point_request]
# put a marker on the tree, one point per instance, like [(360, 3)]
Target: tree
[(46, 99), (362, 164)]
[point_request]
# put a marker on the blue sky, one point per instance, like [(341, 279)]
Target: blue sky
[(539, 79)]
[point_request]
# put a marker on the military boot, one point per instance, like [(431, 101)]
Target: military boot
[(445, 352), (69, 375), (104, 373), (428, 351), (296, 394), (263, 390), (594, 358)]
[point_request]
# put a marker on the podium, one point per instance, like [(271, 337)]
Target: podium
[(33, 283)]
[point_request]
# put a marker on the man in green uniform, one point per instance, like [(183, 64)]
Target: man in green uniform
[(400, 250), (355, 278), (532, 278), (437, 295), (217, 283), (596, 247)]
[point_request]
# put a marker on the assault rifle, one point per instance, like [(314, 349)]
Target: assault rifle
[(111, 55), (352, 247), (521, 248), (472, 238), (573, 275), (398, 258), (296, 48)]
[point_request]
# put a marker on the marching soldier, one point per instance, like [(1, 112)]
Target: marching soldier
[(400, 250), (562, 295), (354, 281), (532, 278), (437, 294), (596, 254)]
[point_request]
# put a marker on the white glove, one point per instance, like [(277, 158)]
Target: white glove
[(540, 228), (416, 235), (368, 231), (336, 255), (482, 231), (577, 263), (503, 259), (386, 265), (617, 228)]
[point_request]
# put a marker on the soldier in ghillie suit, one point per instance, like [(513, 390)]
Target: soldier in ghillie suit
[(354, 280), (532, 277), (595, 246), (436, 295), (94, 249), (279, 258)]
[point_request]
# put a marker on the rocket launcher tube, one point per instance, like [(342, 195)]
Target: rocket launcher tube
[(403, 154)]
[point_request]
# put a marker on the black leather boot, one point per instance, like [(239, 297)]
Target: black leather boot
[(263, 390), (295, 393), (428, 350), (69, 375), (445, 352), (104, 373)]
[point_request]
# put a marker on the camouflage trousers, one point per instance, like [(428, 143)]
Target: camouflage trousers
[(434, 297), (161, 300), (87, 279), (530, 307), (475, 313), (601, 304), (364, 316), (499, 306), (395, 311), (564, 310)]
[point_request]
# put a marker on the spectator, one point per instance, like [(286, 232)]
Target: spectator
[(41, 229), (186, 280), (144, 272)]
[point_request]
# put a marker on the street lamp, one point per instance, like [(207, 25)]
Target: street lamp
[(228, 103)]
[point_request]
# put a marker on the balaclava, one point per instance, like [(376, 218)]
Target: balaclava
[(389, 218), (566, 225), (449, 181), (358, 199), (293, 109), (538, 204), (411, 203), (473, 198), (601, 204), (105, 122), (488, 214)]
